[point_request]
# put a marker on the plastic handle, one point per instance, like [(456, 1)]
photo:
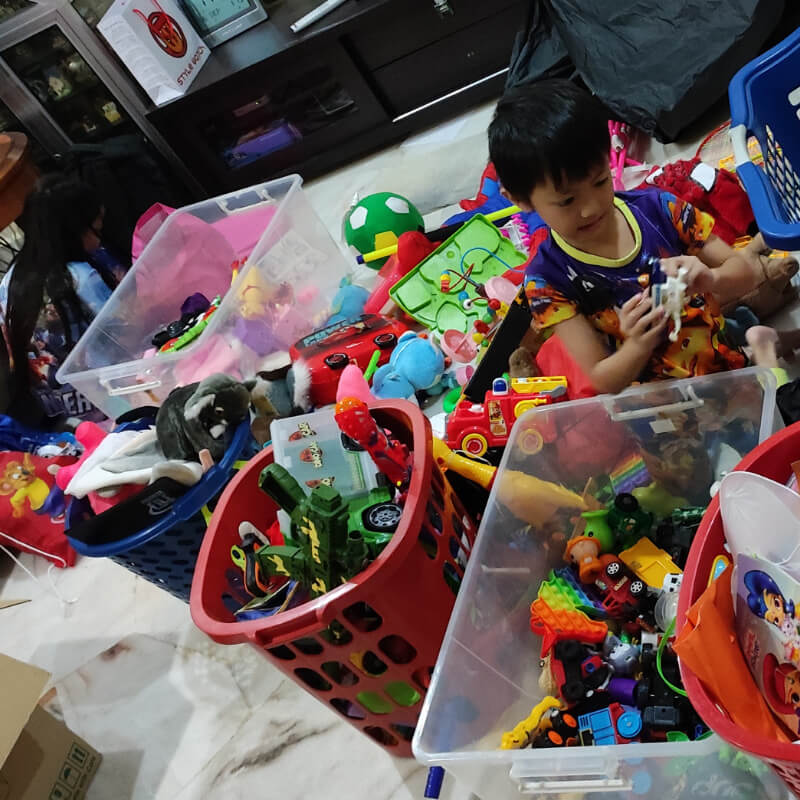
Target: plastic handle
[(738, 136), (588, 773), (692, 401), (583, 785), (225, 206), (119, 391)]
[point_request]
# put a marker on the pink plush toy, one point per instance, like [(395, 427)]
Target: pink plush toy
[(89, 434), (353, 384)]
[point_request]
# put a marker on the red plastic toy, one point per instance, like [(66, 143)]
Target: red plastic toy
[(557, 625), (326, 352), (390, 457), (622, 591), (475, 427)]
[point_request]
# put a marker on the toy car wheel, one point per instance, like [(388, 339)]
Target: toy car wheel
[(383, 517), (530, 441), (336, 360), (613, 569), (474, 444), (626, 502), (637, 588), (385, 340)]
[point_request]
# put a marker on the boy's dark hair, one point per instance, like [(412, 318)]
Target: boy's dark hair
[(549, 128)]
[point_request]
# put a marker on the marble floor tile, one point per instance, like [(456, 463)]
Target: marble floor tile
[(168, 706)]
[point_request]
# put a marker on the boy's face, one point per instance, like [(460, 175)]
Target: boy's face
[(580, 211)]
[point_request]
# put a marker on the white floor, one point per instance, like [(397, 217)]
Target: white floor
[(176, 716)]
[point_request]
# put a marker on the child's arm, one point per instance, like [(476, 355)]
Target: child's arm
[(717, 269), (643, 327)]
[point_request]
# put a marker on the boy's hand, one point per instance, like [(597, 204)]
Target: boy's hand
[(699, 277), (641, 324)]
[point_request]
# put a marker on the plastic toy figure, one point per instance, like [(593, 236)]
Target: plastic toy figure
[(390, 457), (578, 670), (475, 427), (328, 543), (584, 553), (622, 656), (523, 732), (627, 519)]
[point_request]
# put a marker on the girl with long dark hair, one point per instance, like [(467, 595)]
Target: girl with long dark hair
[(48, 298)]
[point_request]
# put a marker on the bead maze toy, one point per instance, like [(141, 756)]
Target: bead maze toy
[(476, 252)]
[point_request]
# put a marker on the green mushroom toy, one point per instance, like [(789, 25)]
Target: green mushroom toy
[(377, 221)]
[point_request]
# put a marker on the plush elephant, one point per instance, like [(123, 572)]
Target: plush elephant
[(416, 364)]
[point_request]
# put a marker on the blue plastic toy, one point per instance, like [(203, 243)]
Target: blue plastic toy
[(347, 302), (416, 364)]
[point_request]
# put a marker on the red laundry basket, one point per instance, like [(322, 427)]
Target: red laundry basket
[(367, 648), (772, 459)]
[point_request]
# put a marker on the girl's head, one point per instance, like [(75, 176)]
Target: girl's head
[(765, 598), (68, 211), (62, 221)]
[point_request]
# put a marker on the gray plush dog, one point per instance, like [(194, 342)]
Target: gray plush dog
[(202, 416)]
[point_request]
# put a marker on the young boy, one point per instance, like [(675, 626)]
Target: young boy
[(589, 280)]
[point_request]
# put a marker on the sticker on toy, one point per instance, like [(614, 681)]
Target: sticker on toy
[(769, 634)]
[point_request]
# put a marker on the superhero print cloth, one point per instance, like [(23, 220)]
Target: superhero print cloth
[(49, 343), (561, 282)]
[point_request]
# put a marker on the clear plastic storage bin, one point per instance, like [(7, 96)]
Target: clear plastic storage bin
[(486, 678), (262, 250)]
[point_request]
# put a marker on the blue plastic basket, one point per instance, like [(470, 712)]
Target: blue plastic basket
[(765, 103), (166, 552)]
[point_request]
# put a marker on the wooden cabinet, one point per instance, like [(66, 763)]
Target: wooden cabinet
[(269, 103)]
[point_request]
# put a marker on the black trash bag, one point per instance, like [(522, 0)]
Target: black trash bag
[(538, 51), (657, 64)]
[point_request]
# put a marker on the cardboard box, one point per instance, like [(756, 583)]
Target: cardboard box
[(40, 757)]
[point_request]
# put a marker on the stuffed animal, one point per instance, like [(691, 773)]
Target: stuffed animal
[(272, 399), (201, 416), (771, 286), (347, 302), (521, 364), (416, 364)]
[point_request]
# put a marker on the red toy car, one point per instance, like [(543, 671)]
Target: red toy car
[(622, 591), (475, 427), (326, 352)]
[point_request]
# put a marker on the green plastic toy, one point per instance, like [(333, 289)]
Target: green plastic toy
[(480, 245), (598, 528), (377, 221), (331, 539)]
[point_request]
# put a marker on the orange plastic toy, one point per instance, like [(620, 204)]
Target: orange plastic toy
[(555, 625), (584, 552)]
